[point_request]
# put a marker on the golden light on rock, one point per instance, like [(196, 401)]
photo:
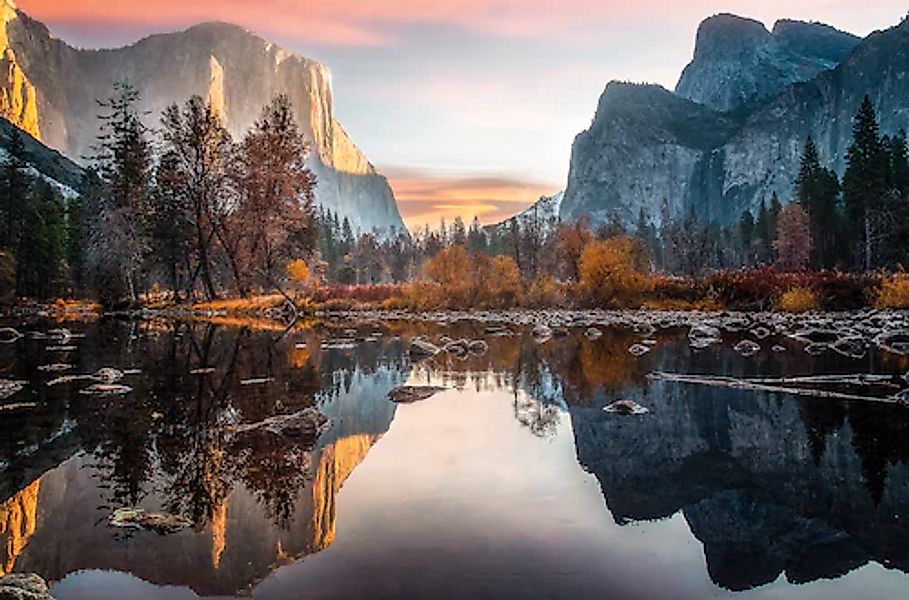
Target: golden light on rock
[(336, 463), (18, 522)]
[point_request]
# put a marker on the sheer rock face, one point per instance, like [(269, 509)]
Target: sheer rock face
[(650, 148), (737, 61), (237, 70)]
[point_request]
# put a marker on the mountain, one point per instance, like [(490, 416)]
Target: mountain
[(737, 61), (651, 148), (62, 173), (50, 90), (544, 211)]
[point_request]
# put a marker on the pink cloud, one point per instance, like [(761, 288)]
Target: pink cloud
[(368, 22)]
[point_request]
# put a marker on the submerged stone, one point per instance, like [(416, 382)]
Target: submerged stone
[(747, 348), (408, 394), (626, 407), (157, 522), (24, 586)]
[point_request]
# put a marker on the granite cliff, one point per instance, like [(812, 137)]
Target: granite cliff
[(49, 89), (722, 143)]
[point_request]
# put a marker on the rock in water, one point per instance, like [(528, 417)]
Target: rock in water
[(301, 428), (626, 407), (24, 586), (409, 394), (747, 348), (8, 387), (541, 332), (639, 349), (420, 349), (158, 522)]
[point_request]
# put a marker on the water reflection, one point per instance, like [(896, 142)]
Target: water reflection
[(769, 485)]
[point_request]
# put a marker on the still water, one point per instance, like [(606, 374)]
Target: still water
[(513, 482)]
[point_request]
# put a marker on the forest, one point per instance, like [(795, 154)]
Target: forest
[(183, 214)]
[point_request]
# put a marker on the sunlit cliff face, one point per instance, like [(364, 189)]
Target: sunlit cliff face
[(18, 98), (18, 521)]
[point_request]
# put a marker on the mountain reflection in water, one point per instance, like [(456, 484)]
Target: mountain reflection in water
[(515, 483)]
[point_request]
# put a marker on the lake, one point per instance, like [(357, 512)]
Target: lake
[(512, 481)]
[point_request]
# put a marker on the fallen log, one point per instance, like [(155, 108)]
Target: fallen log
[(756, 386)]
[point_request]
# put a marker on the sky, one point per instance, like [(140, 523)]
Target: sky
[(468, 106)]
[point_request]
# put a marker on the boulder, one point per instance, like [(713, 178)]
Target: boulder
[(408, 394), (24, 586), (8, 387), (747, 348), (420, 349), (157, 522), (639, 349), (626, 407)]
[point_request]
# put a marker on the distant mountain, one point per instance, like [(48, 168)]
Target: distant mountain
[(737, 61), (62, 173), (651, 148), (544, 211), (50, 90)]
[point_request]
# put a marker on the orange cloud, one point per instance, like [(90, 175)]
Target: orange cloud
[(426, 199)]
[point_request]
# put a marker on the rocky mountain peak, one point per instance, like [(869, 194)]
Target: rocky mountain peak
[(724, 33), (738, 62)]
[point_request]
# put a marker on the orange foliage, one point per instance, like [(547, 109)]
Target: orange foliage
[(458, 279), (614, 271)]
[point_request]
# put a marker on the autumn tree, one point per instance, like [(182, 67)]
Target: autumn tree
[(193, 192), (570, 241), (614, 271), (793, 245), (275, 195)]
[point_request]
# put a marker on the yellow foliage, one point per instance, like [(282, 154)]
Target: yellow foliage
[(298, 271), (894, 293), (798, 300), (544, 292), (614, 271)]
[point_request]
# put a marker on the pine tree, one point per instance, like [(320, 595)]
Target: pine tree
[(42, 239), (746, 236), (817, 191), (75, 242), (14, 189), (117, 247), (864, 185)]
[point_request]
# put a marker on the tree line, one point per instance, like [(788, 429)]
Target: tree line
[(184, 208), (187, 211)]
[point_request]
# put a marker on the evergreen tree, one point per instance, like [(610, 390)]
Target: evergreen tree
[(864, 184), (476, 237), (817, 191), (42, 238), (75, 242), (14, 189), (118, 228), (746, 236)]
